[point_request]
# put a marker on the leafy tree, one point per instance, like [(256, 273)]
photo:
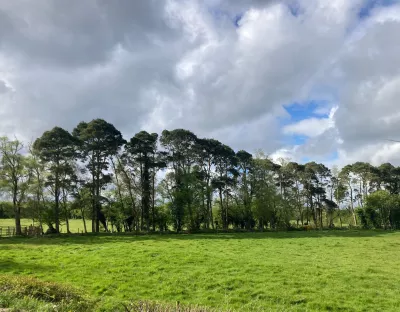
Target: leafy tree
[(98, 141), (14, 175), (37, 185), (143, 148), (56, 148), (345, 176), (265, 192), (181, 147), (382, 209), (225, 164), (245, 169), (207, 155)]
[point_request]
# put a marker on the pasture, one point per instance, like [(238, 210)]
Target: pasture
[(76, 225), (274, 271)]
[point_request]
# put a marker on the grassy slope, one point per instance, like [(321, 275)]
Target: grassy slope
[(297, 271)]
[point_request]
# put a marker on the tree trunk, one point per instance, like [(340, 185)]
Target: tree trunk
[(67, 224), (94, 213), (222, 207), (65, 206), (17, 221), (39, 211), (97, 207), (83, 219), (352, 205), (57, 207), (146, 194), (153, 211)]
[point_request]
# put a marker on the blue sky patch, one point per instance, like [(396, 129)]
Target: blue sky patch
[(370, 5), (298, 112), (294, 139)]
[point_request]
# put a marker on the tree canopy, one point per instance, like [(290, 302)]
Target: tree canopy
[(178, 181)]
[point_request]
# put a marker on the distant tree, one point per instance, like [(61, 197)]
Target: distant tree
[(37, 185), (345, 176), (207, 156), (143, 148), (245, 170), (382, 209), (56, 148), (14, 175), (265, 192), (225, 165), (98, 141), (181, 147)]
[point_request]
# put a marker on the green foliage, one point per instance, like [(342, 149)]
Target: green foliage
[(56, 148), (97, 141), (95, 174), (6, 210), (382, 210), (14, 176)]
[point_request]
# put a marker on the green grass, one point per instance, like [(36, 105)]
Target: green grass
[(75, 225), (287, 271)]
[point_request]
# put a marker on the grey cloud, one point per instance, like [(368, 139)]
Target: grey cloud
[(79, 33), (3, 87), (167, 64), (369, 105)]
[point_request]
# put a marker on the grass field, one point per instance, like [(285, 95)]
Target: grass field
[(75, 225), (287, 271)]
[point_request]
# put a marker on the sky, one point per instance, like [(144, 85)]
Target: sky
[(300, 79)]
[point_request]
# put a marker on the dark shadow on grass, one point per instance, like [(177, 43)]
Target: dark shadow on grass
[(10, 266), (104, 238)]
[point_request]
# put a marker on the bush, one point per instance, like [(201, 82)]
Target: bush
[(35, 292)]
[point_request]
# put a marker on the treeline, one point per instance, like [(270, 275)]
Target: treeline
[(182, 182)]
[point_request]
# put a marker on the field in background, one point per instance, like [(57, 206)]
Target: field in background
[(287, 271), (75, 225)]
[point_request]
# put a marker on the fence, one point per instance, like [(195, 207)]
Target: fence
[(10, 231)]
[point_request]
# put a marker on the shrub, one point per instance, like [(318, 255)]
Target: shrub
[(32, 289)]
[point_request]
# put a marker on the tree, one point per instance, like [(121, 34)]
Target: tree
[(14, 175), (389, 178), (381, 210), (265, 193), (225, 165), (56, 148), (363, 174), (180, 145), (143, 147), (346, 177), (245, 166), (37, 184), (98, 141), (206, 153)]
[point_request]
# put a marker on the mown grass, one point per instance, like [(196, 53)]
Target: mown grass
[(286, 271)]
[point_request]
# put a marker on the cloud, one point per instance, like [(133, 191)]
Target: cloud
[(164, 64), (3, 87), (369, 113), (311, 127)]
